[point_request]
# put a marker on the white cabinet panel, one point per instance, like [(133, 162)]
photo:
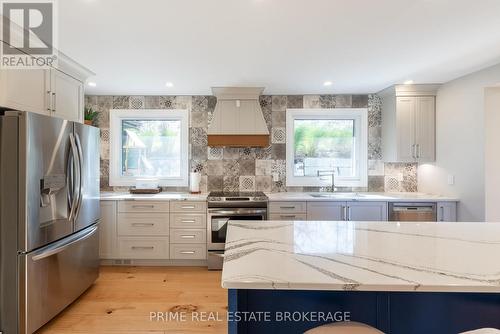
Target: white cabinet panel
[(366, 211), (287, 216), (287, 207), (425, 128), (143, 206), (409, 123), (191, 236), (326, 211), (143, 248), (188, 220), (25, 90), (188, 206), (150, 224), (446, 212), (107, 230), (405, 110), (67, 96), (188, 252)]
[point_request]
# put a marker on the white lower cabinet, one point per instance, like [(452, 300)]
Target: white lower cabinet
[(107, 231), (153, 230), (326, 211), (446, 211), (348, 211), (143, 248), (366, 211), (188, 251), (188, 230)]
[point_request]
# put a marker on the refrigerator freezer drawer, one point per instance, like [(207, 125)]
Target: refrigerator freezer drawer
[(56, 275)]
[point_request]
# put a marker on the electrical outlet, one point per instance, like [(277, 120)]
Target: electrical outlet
[(451, 180)]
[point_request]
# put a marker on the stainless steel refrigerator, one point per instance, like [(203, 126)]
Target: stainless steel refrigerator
[(49, 211)]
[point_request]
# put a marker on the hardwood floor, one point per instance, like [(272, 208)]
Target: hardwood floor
[(122, 298)]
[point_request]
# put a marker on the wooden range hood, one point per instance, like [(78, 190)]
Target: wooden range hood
[(238, 120)]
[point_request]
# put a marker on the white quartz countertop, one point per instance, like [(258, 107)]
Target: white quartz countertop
[(163, 196), (365, 256), (289, 196), (360, 196)]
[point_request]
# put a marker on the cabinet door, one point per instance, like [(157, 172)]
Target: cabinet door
[(447, 212), (107, 236), (405, 118), (367, 211), (425, 128), (25, 90), (68, 96), (326, 211)]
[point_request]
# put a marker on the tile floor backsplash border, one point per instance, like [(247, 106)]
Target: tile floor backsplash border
[(248, 169)]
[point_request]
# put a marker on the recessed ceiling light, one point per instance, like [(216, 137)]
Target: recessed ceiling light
[(92, 84), (408, 82), (327, 83), (169, 84)]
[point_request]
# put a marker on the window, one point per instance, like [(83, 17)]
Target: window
[(149, 144), (325, 141)]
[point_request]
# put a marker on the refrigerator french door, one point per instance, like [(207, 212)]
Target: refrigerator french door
[(49, 211)]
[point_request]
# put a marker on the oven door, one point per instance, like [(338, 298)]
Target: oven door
[(218, 219)]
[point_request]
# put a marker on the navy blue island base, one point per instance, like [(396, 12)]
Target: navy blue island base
[(390, 312)]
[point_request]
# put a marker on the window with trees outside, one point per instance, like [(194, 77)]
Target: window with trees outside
[(322, 142), (149, 144)]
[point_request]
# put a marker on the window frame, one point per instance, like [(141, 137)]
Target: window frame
[(115, 138), (359, 115)]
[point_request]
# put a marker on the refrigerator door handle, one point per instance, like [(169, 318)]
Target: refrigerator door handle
[(60, 246), (80, 173), (75, 190)]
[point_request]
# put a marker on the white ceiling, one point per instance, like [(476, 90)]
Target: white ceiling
[(287, 46)]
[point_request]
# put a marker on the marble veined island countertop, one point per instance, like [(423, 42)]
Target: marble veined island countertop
[(364, 256)]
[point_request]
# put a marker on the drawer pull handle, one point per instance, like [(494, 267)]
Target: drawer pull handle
[(143, 224), (287, 216), (188, 207), (143, 206), (188, 236), (188, 221), (142, 247), (287, 207), (188, 252)]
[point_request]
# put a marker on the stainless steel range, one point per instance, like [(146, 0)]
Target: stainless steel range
[(224, 207)]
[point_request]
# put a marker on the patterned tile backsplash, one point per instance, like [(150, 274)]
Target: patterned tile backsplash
[(248, 169)]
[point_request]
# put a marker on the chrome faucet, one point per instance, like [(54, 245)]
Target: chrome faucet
[(328, 173)]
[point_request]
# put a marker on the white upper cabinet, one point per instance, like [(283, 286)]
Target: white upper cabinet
[(409, 123), (24, 90), (66, 96), (56, 91)]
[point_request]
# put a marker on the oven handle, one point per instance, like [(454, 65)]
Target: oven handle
[(236, 211)]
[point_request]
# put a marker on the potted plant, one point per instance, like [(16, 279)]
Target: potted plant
[(90, 115)]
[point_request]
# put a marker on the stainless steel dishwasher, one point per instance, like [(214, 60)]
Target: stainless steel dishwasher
[(412, 212)]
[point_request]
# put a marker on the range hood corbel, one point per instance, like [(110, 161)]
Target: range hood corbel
[(238, 120)]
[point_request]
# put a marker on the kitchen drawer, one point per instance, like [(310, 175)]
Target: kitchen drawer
[(179, 236), (287, 216), (143, 206), (143, 248), (188, 220), (152, 224), (188, 252), (186, 206), (287, 207)]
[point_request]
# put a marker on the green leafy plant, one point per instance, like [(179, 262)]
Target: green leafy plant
[(90, 114)]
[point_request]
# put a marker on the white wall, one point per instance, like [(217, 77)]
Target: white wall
[(492, 154), (460, 143)]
